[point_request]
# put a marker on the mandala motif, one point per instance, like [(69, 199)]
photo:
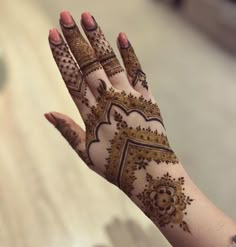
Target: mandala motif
[(164, 201)]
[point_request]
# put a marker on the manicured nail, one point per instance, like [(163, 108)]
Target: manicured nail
[(88, 20), (66, 18), (55, 36), (50, 118), (123, 41)]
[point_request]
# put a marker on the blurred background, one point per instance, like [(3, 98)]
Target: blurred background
[(48, 197)]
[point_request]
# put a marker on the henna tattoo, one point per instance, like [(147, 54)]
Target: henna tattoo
[(72, 138), (130, 145), (82, 51), (69, 134), (133, 66), (164, 201), (103, 50), (132, 149), (70, 72)]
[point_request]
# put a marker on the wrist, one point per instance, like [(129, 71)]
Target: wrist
[(160, 192)]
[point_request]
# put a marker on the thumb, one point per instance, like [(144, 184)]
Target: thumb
[(71, 131)]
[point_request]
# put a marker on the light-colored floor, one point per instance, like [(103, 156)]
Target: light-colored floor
[(48, 197)]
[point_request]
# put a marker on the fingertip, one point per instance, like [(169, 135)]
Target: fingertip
[(123, 40), (85, 14), (65, 11), (54, 36), (66, 18), (88, 21), (49, 116)]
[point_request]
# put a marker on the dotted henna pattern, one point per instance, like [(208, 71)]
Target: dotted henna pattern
[(70, 72), (132, 149), (103, 50)]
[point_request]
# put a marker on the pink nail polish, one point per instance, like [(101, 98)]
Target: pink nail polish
[(123, 41), (88, 20), (54, 36), (50, 118), (66, 18)]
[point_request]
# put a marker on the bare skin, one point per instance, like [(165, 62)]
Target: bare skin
[(124, 126)]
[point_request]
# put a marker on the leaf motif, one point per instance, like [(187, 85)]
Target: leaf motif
[(185, 227), (149, 177), (102, 88)]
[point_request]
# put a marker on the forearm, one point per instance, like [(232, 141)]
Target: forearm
[(198, 222)]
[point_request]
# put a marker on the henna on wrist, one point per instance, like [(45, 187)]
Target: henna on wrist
[(164, 201)]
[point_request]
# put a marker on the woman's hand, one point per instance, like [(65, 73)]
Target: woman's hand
[(125, 139)]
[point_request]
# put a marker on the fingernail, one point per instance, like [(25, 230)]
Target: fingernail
[(50, 118), (66, 18), (55, 36), (123, 41), (88, 20)]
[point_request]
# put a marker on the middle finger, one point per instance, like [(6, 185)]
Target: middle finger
[(83, 54), (105, 53)]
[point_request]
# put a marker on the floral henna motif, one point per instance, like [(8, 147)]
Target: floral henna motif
[(82, 51), (70, 72), (127, 102), (164, 202), (130, 146), (103, 50), (132, 149), (133, 66)]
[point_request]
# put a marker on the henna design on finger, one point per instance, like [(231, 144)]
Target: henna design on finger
[(70, 72), (103, 50), (72, 137), (164, 201), (66, 131), (133, 66), (81, 50)]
